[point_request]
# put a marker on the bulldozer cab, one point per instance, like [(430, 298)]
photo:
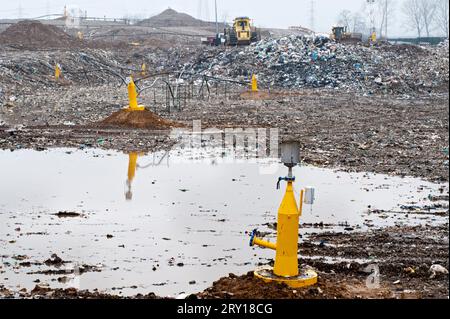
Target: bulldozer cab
[(339, 33), (242, 24), (242, 27), (242, 32)]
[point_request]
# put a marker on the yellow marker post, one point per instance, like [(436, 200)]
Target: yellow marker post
[(132, 96), (144, 69), (254, 83), (57, 72)]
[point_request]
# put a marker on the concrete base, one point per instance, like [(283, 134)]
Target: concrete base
[(304, 279)]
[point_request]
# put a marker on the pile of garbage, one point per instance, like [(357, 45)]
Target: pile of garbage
[(318, 62)]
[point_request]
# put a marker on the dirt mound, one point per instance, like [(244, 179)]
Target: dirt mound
[(249, 287), (36, 35), (140, 119), (172, 18)]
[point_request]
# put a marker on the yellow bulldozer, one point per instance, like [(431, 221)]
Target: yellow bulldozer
[(242, 32), (340, 34)]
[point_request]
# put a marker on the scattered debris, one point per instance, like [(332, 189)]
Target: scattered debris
[(55, 260), (437, 270), (67, 214)]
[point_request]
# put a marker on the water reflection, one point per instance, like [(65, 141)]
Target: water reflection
[(132, 162), (133, 165)]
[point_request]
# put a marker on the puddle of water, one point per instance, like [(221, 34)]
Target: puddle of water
[(175, 219)]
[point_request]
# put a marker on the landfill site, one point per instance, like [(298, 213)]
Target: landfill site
[(149, 161)]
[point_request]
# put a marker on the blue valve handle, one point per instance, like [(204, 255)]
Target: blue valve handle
[(252, 236), (287, 179)]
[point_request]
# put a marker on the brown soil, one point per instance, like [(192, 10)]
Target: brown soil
[(327, 287), (263, 95), (30, 34), (403, 255), (35, 34), (139, 119), (172, 18)]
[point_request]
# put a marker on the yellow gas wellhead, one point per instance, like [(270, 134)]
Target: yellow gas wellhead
[(132, 96), (286, 260)]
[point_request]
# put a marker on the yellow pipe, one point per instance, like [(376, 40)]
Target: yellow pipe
[(265, 244), (286, 261), (132, 96), (300, 209)]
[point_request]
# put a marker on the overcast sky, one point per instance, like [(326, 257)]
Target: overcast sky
[(266, 13)]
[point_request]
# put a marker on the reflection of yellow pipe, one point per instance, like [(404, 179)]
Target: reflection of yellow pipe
[(132, 162), (263, 243)]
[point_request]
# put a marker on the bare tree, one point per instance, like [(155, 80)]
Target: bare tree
[(359, 23), (345, 18), (413, 14), (386, 13), (442, 21), (428, 9)]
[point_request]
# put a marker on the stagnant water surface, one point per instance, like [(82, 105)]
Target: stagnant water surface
[(178, 224)]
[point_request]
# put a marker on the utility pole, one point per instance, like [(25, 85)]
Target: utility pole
[(386, 19), (217, 21), (311, 22), (373, 29), (47, 9), (217, 40), (199, 12), (20, 11), (207, 13)]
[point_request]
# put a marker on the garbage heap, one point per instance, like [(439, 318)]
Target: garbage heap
[(296, 62)]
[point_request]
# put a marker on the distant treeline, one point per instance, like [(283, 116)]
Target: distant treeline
[(429, 40)]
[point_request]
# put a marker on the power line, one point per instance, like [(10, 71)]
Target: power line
[(371, 4), (19, 11), (199, 9)]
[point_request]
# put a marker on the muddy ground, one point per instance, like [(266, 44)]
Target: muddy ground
[(393, 134), (383, 134), (403, 256)]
